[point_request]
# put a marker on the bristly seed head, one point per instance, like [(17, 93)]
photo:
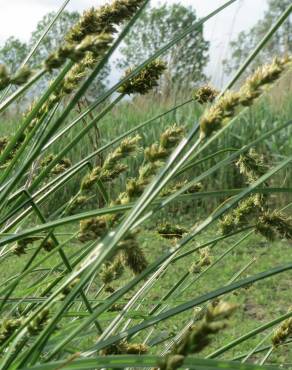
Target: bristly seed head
[(205, 94), (225, 108), (145, 80)]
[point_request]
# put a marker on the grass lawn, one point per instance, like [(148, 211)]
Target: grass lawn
[(258, 304)]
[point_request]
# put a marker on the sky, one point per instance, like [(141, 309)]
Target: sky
[(19, 18)]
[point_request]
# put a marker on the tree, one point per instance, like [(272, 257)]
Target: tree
[(12, 53), (156, 27), (280, 44)]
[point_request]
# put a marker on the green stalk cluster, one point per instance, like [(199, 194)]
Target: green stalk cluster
[(145, 81), (198, 337), (205, 94), (19, 78), (85, 44), (204, 261), (225, 108), (91, 229)]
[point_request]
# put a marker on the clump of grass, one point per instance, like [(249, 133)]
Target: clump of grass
[(95, 293)]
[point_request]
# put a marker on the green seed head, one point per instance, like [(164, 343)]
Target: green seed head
[(145, 81)]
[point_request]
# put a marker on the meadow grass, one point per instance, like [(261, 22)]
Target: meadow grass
[(113, 245)]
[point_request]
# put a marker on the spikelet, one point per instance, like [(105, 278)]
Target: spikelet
[(78, 203), (205, 94), (61, 167), (247, 210), (124, 348), (169, 231), (3, 143), (18, 79), (4, 77), (282, 333), (229, 104), (97, 44), (111, 271), (92, 229), (198, 336), (132, 255), (7, 328), (103, 19), (67, 290), (205, 260), (21, 246), (38, 323), (251, 166), (48, 245), (273, 224), (179, 185), (21, 76), (145, 80), (112, 167)]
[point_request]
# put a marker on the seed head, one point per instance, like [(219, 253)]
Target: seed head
[(8, 327), (112, 271), (3, 143), (37, 324), (145, 81), (103, 19), (169, 231), (92, 229), (226, 107), (252, 166), (282, 333), (21, 76), (273, 224), (198, 336), (205, 94), (247, 210), (4, 77), (132, 255)]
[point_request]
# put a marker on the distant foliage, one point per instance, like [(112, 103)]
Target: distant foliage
[(154, 29), (280, 44), (13, 52)]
